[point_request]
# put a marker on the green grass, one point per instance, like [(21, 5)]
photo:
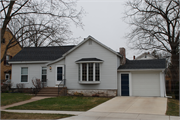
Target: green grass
[(10, 98), (10, 115), (172, 107), (66, 103)]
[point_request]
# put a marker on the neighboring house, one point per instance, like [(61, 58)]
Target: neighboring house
[(144, 56), (5, 66), (90, 68)]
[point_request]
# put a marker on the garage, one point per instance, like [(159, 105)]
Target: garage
[(142, 78), (145, 83)]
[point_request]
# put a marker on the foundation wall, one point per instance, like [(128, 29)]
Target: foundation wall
[(95, 93)]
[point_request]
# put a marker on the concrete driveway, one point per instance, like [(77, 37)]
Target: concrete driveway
[(142, 105)]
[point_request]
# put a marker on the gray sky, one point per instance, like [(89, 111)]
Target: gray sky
[(104, 21)]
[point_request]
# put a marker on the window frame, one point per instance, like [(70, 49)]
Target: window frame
[(42, 73), (3, 40), (24, 74), (7, 56), (7, 74), (80, 77), (63, 74)]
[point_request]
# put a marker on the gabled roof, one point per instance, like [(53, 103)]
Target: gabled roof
[(144, 64), (41, 53), (86, 39)]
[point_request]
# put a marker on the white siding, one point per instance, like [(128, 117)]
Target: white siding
[(34, 70), (108, 68), (52, 74), (118, 62), (146, 83)]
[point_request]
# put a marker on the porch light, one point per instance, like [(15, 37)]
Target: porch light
[(50, 68)]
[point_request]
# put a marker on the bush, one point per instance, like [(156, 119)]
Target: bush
[(20, 87), (5, 88)]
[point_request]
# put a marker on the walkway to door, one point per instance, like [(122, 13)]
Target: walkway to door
[(143, 105)]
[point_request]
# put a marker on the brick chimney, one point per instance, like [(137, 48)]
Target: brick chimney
[(123, 53), (134, 57)]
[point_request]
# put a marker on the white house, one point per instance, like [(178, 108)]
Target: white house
[(89, 68), (144, 56)]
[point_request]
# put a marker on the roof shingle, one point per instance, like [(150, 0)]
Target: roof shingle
[(89, 59), (144, 64), (41, 53)]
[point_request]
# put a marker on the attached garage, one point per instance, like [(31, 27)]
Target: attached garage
[(144, 78), (145, 83)]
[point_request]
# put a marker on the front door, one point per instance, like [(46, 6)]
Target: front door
[(59, 74), (124, 84)]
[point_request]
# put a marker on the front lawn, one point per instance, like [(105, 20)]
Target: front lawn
[(66, 103), (10, 115), (10, 98), (172, 107)]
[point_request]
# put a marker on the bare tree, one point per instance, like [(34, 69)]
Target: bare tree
[(33, 22), (156, 26), (37, 33)]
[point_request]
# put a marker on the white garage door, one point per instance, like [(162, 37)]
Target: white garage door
[(145, 84)]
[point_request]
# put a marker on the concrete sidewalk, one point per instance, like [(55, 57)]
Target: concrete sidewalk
[(46, 111), (119, 116), (23, 102), (100, 115)]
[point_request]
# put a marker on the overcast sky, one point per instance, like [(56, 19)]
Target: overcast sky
[(104, 21)]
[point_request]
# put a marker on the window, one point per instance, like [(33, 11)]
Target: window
[(97, 70), (84, 72), (3, 40), (89, 72), (44, 74), (24, 74), (79, 76), (7, 59), (7, 76), (90, 67)]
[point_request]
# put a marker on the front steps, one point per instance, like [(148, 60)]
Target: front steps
[(52, 91)]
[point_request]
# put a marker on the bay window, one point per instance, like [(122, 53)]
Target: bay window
[(89, 72)]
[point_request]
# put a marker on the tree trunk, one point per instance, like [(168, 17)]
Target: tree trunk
[(7, 19), (174, 69)]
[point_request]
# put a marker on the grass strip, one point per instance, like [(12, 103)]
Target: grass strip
[(11, 115), (10, 98), (172, 107), (65, 103)]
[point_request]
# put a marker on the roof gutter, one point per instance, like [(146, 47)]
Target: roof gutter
[(121, 70), (21, 62)]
